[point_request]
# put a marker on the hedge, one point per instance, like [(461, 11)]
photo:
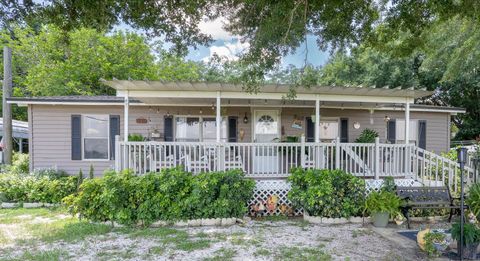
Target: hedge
[(172, 194), (327, 193), (36, 187)]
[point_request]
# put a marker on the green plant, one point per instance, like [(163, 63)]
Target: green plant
[(135, 137), (20, 164), (389, 184), (367, 136), (34, 188), (473, 199), (432, 238), (382, 201), (172, 194), (327, 193), (80, 178), (91, 172), (471, 233)]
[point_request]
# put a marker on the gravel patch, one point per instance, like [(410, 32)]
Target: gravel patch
[(255, 240)]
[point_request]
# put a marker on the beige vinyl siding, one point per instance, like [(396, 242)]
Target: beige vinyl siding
[(438, 124), (50, 128), (51, 136)]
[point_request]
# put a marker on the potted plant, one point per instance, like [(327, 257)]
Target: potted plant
[(381, 205), (435, 243), (399, 218), (471, 239)]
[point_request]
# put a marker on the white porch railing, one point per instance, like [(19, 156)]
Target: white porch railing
[(275, 160)]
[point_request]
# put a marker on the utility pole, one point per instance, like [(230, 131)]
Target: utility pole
[(7, 108)]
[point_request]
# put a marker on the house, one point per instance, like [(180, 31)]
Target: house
[(19, 135), (214, 126)]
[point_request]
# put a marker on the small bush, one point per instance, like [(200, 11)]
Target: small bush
[(327, 193), (20, 164), (172, 194), (367, 136), (36, 188), (383, 201)]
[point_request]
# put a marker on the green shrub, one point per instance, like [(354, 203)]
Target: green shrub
[(367, 136), (172, 194), (473, 199), (135, 137), (35, 188), (20, 164), (327, 193), (383, 201)]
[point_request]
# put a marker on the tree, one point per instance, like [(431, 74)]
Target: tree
[(273, 28), (448, 62)]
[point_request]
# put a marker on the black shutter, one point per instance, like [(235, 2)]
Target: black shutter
[(114, 131), (232, 129), (422, 134), (391, 131), (168, 128), (344, 130), (309, 130), (76, 137)]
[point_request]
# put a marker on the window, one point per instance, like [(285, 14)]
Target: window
[(198, 129), (400, 130), (329, 129), (95, 137)]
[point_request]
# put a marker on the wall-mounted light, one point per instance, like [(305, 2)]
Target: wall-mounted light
[(371, 117), (201, 112), (213, 106), (387, 118), (245, 119)]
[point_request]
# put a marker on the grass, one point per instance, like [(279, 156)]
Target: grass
[(47, 255), (18, 215), (222, 254), (262, 252), (302, 253), (191, 245), (361, 232), (67, 230)]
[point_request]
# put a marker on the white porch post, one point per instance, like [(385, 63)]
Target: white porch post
[(220, 147), (407, 137), (125, 117), (20, 145), (407, 122), (317, 120), (318, 151), (219, 118)]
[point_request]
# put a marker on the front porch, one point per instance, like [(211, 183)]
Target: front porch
[(263, 161)]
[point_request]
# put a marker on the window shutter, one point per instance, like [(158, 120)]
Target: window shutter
[(344, 130), (309, 130), (76, 137), (168, 128), (114, 131), (232, 129), (422, 134), (391, 131)]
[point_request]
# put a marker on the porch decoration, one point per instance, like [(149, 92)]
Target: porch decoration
[(245, 118), (141, 120), (277, 191)]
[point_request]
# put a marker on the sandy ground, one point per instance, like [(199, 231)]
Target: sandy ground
[(255, 240)]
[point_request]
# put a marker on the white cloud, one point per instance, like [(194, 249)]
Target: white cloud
[(230, 51), (215, 29)]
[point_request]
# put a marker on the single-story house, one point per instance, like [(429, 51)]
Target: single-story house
[(215, 126), (19, 134)]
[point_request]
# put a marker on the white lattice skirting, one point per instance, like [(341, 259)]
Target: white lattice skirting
[(270, 196)]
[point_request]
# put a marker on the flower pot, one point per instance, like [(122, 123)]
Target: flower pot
[(380, 219), (469, 250)]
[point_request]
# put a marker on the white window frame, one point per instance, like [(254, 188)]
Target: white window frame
[(200, 121), (83, 136), (400, 130)]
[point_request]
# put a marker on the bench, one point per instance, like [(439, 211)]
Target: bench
[(426, 198)]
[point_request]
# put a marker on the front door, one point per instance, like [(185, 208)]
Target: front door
[(266, 129)]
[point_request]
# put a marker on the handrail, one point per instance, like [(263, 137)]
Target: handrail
[(276, 159)]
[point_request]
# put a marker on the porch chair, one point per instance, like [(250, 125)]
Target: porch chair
[(198, 164)]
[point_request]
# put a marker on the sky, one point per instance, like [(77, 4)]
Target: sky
[(231, 47)]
